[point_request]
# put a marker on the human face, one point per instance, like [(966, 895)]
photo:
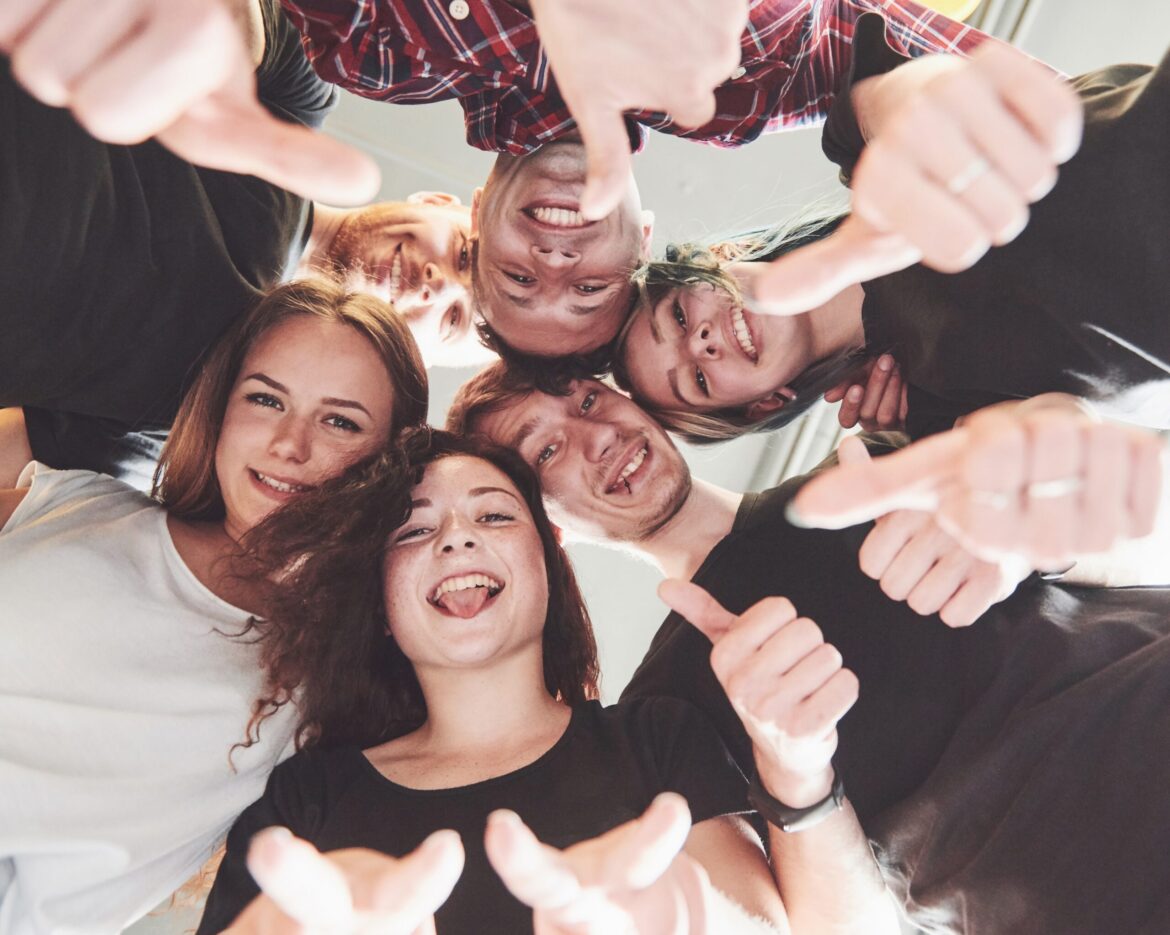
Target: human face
[(607, 470), (549, 282), (464, 578), (311, 398), (697, 350), (417, 256)]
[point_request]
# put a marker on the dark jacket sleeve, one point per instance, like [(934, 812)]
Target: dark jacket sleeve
[(841, 138), (291, 799)]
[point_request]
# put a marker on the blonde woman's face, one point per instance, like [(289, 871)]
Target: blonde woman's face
[(697, 350), (311, 398)]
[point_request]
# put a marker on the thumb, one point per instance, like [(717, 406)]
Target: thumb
[(240, 136), (809, 276), (852, 450), (696, 606), (304, 885), (607, 149), (694, 112), (853, 493)]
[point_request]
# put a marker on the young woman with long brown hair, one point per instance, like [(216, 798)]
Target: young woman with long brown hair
[(133, 663)]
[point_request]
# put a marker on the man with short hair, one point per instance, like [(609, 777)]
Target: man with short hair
[(982, 761)]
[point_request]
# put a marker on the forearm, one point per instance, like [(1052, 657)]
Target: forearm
[(827, 875)]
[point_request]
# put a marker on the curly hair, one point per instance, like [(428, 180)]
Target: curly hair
[(324, 642)]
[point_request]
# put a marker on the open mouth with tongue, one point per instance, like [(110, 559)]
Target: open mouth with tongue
[(465, 596)]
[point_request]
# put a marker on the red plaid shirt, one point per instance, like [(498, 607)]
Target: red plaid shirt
[(795, 53)]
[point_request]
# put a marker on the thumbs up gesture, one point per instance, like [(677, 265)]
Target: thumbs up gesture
[(787, 684), (957, 150)]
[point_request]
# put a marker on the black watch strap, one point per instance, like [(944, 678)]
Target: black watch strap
[(788, 819)]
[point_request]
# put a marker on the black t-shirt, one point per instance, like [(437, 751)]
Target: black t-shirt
[(1012, 773), (122, 264), (605, 770), (1024, 320)]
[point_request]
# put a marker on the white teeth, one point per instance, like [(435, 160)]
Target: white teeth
[(396, 277), (559, 217), (279, 485), (634, 463), (742, 334), (463, 582)]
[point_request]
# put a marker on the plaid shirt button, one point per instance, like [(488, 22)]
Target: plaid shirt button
[(459, 9)]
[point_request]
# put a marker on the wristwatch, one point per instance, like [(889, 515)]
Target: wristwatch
[(795, 819)]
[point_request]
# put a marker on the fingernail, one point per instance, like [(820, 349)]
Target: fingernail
[(277, 833), (506, 816), (855, 394), (441, 840), (885, 362), (795, 517)]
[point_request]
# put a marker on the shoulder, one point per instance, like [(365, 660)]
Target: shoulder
[(65, 494)]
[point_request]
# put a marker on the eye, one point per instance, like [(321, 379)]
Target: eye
[(591, 288), (341, 422), (267, 400), (680, 316), (545, 453), (520, 278), (496, 518), (412, 534), (453, 316), (701, 380), (588, 401), (464, 257)]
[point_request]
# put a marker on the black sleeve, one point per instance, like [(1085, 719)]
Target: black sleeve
[(690, 759), (71, 441), (286, 82), (293, 799), (841, 137)]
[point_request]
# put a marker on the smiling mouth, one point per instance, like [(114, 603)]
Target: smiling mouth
[(743, 335), (559, 217), (465, 596), (278, 485), (629, 470), (395, 283)]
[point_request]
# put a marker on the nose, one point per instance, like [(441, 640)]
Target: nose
[(705, 342), (600, 438), (291, 440), (458, 536), (555, 257), (433, 283)]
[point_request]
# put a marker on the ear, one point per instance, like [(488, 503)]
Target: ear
[(476, 201), (773, 402), (647, 232), (441, 199)]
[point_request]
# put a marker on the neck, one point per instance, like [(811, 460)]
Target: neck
[(326, 223), (836, 326), (679, 547), (490, 708)]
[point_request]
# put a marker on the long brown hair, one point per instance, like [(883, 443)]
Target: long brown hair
[(185, 480), (325, 637)]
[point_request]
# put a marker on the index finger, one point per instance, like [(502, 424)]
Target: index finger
[(304, 885), (809, 276), (242, 137), (695, 605), (853, 493)]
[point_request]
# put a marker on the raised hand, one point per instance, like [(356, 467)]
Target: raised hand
[(632, 879), (347, 892), (956, 152), (1042, 483), (787, 685), (665, 55), (177, 70), (878, 404)]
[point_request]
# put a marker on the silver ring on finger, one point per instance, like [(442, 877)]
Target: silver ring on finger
[(1051, 489), (965, 179), (992, 499)]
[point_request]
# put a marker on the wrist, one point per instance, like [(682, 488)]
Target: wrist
[(794, 789)]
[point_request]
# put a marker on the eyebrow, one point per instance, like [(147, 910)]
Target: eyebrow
[(519, 300), (473, 492), (523, 434), (583, 309), (327, 400)]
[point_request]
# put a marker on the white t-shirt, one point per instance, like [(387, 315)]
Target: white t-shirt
[(119, 705)]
